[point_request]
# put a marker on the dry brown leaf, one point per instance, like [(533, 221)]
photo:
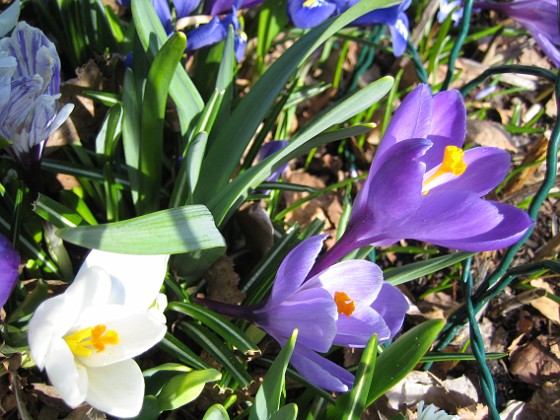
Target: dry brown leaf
[(544, 305), (223, 282), (488, 133), (534, 364)]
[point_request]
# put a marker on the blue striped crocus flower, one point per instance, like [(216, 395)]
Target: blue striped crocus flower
[(9, 269), (29, 92)]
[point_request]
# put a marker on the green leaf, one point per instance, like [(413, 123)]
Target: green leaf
[(131, 131), (216, 412), (233, 335), (150, 409), (288, 412), (213, 345), (224, 204), (157, 377), (179, 350), (153, 36), (184, 388), (254, 106), (56, 213), (173, 231), (418, 269), (153, 113), (401, 357), (267, 400), (355, 403)]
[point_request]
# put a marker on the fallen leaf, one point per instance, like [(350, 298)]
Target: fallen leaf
[(489, 133), (534, 364), (545, 305)]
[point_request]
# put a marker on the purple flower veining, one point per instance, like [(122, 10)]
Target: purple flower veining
[(9, 269), (29, 92), (423, 186), (343, 305)]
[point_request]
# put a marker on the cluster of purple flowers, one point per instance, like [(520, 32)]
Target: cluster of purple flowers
[(421, 185), (303, 14), (309, 13)]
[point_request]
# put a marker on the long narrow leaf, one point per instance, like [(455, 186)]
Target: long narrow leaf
[(174, 231), (153, 36), (401, 357), (251, 111), (153, 113), (228, 331), (267, 400)]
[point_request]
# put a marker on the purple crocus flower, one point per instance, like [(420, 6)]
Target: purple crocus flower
[(216, 31), (217, 7), (309, 13), (29, 92), (9, 271), (423, 186), (343, 305), (447, 7), (395, 17), (540, 17)]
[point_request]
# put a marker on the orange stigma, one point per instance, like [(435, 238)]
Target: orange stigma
[(344, 303), (83, 342)]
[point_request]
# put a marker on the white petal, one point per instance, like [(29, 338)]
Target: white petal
[(68, 378), (116, 389), (140, 276), (92, 287), (60, 117), (51, 320), (138, 332)]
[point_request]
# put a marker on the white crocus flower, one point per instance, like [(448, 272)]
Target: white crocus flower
[(86, 337)]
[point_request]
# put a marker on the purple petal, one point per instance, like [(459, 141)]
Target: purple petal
[(360, 280), (392, 306), (309, 13), (450, 215), (9, 269), (448, 126), (394, 191), (412, 119), (356, 330), (320, 371), (217, 7), (185, 7), (313, 312), (486, 168), (515, 223), (205, 35), (400, 34), (548, 47), (164, 13), (295, 268)]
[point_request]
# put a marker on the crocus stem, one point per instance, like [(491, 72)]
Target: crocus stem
[(465, 24), (234, 311)]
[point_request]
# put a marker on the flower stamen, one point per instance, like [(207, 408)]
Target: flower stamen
[(453, 163), (83, 342), (345, 305)]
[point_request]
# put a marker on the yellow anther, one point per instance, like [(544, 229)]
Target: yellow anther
[(309, 3), (452, 163), (344, 303), (83, 342)]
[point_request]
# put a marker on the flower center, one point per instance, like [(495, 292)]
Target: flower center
[(344, 303), (452, 163), (310, 3), (83, 342)]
